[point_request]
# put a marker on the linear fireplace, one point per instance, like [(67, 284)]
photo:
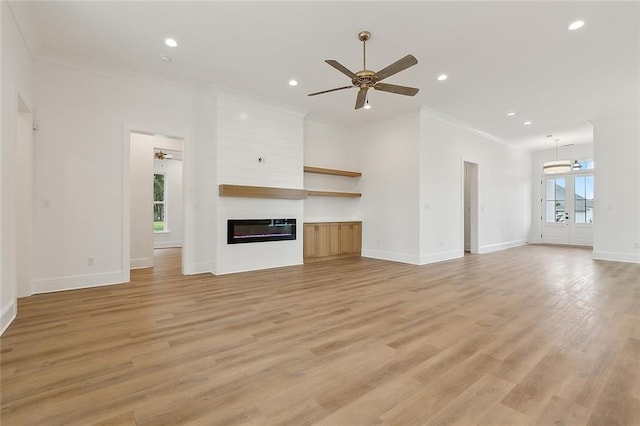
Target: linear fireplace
[(259, 230)]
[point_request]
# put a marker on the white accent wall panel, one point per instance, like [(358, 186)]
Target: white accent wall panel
[(247, 131)]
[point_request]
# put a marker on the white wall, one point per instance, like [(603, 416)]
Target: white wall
[(330, 147), (504, 184), (84, 118), (142, 166), (389, 208), (412, 205), (576, 152), (246, 131), (16, 81), (616, 233)]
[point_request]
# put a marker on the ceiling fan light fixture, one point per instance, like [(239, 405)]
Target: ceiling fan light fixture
[(556, 166), (576, 165), (367, 106)]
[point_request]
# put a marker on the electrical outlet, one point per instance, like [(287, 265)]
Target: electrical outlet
[(90, 261)]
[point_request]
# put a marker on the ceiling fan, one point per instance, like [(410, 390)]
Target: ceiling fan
[(160, 155), (366, 79)]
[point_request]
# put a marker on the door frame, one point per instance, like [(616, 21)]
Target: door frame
[(127, 129), (571, 226), (23, 198)]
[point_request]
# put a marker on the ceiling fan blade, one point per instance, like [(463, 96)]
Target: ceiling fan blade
[(337, 65), (400, 90), (330, 90), (396, 67), (362, 97)]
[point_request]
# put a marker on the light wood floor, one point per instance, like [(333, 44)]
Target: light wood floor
[(532, 335)]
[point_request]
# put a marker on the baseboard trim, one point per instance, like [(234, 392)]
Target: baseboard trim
[(167, 244), (7, 315), (501, 246), (76, 282), (441, 257), (260, 268), (391, 256), (145, 262), (197, 268), (616, 256)]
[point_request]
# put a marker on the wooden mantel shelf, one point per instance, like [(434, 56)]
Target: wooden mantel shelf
[(333, 193), (320, 170), (262, 192)]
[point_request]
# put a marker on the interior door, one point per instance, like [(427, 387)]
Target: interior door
[(567, 206)]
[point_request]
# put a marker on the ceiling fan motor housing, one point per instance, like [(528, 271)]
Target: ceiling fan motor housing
[(365, 78)]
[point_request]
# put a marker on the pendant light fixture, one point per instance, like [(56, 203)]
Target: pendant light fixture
[(576, 165), (557, 166)]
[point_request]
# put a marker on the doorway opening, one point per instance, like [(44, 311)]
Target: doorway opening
[(156, 201), (470, 206)]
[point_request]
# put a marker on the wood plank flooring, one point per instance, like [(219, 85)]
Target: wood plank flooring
[(531, 335)]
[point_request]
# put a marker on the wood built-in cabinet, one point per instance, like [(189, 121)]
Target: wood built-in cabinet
[(331, 240)]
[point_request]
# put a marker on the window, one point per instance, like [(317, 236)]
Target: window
[(555, 201), (583, 199), (584, 165), (159, 203)]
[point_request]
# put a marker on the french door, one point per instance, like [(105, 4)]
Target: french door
[(567, 209)]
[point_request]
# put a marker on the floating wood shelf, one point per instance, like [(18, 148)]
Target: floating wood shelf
[(262, 192), (333, 193), (320, 170)]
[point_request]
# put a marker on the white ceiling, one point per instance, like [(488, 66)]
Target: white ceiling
[(499, 56)]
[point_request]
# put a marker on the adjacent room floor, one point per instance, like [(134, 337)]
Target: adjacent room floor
[(532, 334)]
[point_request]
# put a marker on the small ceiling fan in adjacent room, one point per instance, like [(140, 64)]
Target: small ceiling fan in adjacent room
[(161, 155), (366, 79)]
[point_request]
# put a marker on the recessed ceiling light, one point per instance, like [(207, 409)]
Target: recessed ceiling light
[(293, 83), (442, 77), (576, 25), (526, 123), (166, 58), (170, 42), (511, 114)]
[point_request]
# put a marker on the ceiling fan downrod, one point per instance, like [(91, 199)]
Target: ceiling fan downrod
[(363, 36)]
